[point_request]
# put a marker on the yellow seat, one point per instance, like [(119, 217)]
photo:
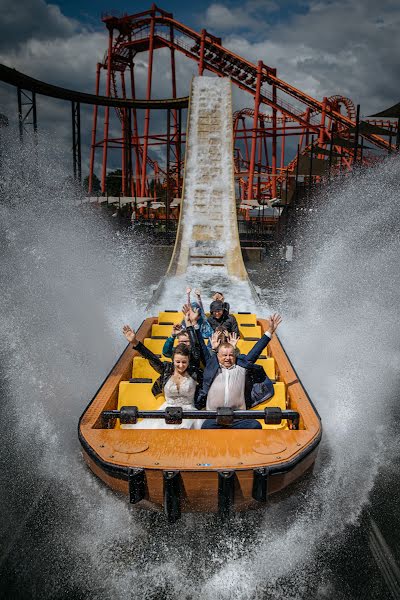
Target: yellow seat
[(170, 316), (161, 330), (245, 346), (137, 394), (250, 330), (278, 399), (142, 368), (268, 365), (248, 318), (155, 346)]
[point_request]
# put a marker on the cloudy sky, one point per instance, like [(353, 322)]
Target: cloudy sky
[(326, 47)]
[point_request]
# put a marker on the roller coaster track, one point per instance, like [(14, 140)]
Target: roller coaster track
[(218, 59), (18, 79), (267, 117)]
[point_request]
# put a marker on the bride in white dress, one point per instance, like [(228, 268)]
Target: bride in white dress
[(175, 394), (178, 381)]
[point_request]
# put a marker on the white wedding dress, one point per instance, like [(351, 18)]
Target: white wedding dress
[(174, 396)]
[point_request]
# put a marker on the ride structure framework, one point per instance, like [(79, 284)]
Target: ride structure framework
[(293, 136)]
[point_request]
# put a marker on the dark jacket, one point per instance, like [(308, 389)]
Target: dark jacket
[(228, 321), (166, 369), (212, 366), (168, 347)]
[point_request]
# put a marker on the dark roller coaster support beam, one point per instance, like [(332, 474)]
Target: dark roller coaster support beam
[(25, 110), (76, 140)]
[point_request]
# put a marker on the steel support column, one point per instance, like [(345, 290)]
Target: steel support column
[(254, 133), (107, 112), (124, 119), (26, 109), (175, 112), (147, 113), (202, 44), (136, 140), (274, 140), (355, 149), (94, 129), (283, 139), (167, 198), (321, 136)]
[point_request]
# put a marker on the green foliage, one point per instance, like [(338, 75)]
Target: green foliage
[(160, 191), (114, 183), (96, 187)]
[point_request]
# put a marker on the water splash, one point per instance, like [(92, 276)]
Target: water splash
[(70, 281)]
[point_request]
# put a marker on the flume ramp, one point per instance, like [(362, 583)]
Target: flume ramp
[(207, 233)]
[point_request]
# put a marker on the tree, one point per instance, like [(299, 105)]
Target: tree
[(160, 191), (96, 187), (114, 183)]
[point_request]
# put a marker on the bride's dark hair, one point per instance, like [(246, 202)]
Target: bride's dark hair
[(181, 349)]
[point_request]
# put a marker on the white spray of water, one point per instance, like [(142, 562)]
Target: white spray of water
[(343, 331), (60, 330)]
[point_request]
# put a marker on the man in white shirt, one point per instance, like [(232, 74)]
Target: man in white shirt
[(224, 377)]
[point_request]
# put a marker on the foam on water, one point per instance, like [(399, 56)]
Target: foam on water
[(68, 284)]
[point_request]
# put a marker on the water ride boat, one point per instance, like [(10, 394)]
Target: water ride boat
[(189, 470), (222, 470)]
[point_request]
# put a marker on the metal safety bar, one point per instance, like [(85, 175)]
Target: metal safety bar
[(173, 415)]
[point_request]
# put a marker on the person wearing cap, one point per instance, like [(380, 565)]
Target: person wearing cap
[(184, 336), (220, 296), (219, 316)]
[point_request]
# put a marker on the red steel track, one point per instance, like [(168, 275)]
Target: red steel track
[(261, 146)]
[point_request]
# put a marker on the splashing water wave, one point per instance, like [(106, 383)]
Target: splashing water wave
[(70, 283)]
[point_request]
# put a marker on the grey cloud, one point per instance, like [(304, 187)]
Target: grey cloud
[(339, 47), (23, 20), (224, 18)]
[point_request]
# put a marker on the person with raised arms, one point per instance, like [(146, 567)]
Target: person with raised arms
[(225, 373), (179, 381)]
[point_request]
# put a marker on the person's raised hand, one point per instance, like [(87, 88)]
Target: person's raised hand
[(215, 339), (176, 329), (130, 334), (194, 314), (218, 296), (188, 290), (186, 314), (233, 339), (274, 321)]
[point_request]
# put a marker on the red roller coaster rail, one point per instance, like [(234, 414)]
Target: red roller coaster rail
[(270, 147)]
